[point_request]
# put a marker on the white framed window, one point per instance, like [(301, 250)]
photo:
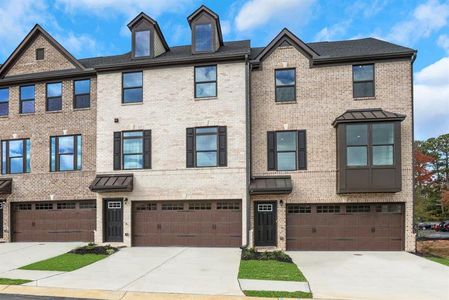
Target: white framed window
[(265, 207), (114, 205)]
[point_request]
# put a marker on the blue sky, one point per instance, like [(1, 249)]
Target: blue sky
[(98, 27)]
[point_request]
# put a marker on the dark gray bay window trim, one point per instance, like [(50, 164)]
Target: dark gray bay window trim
[(58, 155), (301, 150), (24, 156), (201, 82), (75, 95), (276, 87), (191, 153), (373, 82), (118, 154)]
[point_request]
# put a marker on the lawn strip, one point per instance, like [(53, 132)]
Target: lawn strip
[(8, 281), (65, 262), (274, 294), (441, 260), (270, 270)]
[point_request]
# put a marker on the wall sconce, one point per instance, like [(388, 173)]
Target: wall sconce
[(281, 202), (115, 120), (126, 200)]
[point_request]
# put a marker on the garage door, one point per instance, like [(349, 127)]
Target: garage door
[(70, 221), (345, 227), (196, 224)]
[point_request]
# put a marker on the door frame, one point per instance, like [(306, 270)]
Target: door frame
[(105, 218), (2, 208), (274, 203)]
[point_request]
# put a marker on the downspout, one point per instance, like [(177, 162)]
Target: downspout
[(248, 148), (413, 148)]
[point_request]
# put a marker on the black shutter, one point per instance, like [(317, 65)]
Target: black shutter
[(271, 150), (190, 147), (302, 150), (117, 150), (222, 147), (147, 149)]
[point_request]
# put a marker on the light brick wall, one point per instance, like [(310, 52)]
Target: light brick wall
[(323, 93), (169, 107), (40, 184), (27, 63)]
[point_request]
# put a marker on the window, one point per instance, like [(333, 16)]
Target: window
[(299, 209), (65, 153), (172, 206), (26, 99), (54, 96), (43, 206), (389, 208), (327, 209), (206, 147), (203, 37), (200, 206), (81, 97), (232, 205), (23, 206), (357, 208), (359, 145), (16, 156), (383, 144), (363, 81), (142, 43), (66, 205), (264, 207), (146, 206), (205, 81), (285, 85), (132, 87), (4, 101), (132, 150), (286, 150), (40, 54), (114, 205), (87, 205)]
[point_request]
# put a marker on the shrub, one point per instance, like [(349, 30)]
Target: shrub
[(253, 254), (92, 248)]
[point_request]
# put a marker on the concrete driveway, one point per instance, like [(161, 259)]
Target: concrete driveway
[(211, 271), (16, 255), (373, 275)]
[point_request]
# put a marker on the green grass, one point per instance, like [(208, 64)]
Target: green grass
[(272, 294), (65, 262), (7, 281), (441, 260), (270, 270)]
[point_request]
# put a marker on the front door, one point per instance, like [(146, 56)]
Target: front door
[(265, 223), (1, 220), (113, 220)]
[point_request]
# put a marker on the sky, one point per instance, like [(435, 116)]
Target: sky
[(98, 28)]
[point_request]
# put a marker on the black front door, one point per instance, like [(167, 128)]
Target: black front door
[(265, 223), (113, 209), (1, 220)]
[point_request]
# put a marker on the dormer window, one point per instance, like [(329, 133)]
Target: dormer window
[(203, 37), (142, 43)]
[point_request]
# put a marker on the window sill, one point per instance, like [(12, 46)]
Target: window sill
[(206, 98), (53, 111), (26, 114), (285, 102), (132, 103), (4, 116), (81, 109), (364, 98)]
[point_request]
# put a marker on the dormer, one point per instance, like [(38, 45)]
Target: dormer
[(206, 31), (147, 38)]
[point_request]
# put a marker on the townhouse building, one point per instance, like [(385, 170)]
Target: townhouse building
[(299, 146)]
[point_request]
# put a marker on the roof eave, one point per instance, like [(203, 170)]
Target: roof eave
[(357, 58)]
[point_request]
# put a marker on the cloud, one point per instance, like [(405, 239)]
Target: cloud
[(367, 8), (79, 44), (258, 12), (443, 42), (426, 19), (432, 100), (335, 31)]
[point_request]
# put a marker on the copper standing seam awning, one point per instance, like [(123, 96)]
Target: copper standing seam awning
[(271, 185), (367, 115), (5, 186), (107, 183)]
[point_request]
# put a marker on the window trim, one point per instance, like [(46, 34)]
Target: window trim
[(38, 51), (84, 94), (7, 102), (128, 88), (8, 158), (47, 98), (75, 153), (364, 81), (284, 86), (26, 100), (195, 83), (212, 37), (152, 33), (123, 149)]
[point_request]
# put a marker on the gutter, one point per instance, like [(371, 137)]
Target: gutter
[(45, 77)]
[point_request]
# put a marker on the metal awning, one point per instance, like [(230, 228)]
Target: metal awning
[(271, 185), (5, 186), (106, 183), (367, 115)]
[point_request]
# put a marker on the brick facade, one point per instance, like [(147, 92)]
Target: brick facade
[(323, 93), (40, 184)]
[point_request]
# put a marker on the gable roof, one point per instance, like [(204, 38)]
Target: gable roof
[(285, 36), (144, 16), (210, 12), (367, 115), (37, 29)]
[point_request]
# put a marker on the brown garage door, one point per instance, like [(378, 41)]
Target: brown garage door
[(69, 221), (200, 224), (345, 227)]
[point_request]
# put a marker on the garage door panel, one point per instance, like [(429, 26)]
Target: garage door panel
[(359, 227)]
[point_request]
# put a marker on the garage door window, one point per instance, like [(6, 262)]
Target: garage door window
[(88, 205), (44, 206), (66, 205), (228, 205), (16, 156), (299, 209), (389, 208), (327, 209), (357, 208), (172, 206), (23, 206), (146, 206), (65, 153), (200, 206)]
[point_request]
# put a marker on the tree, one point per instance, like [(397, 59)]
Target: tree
[(423, 171)]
